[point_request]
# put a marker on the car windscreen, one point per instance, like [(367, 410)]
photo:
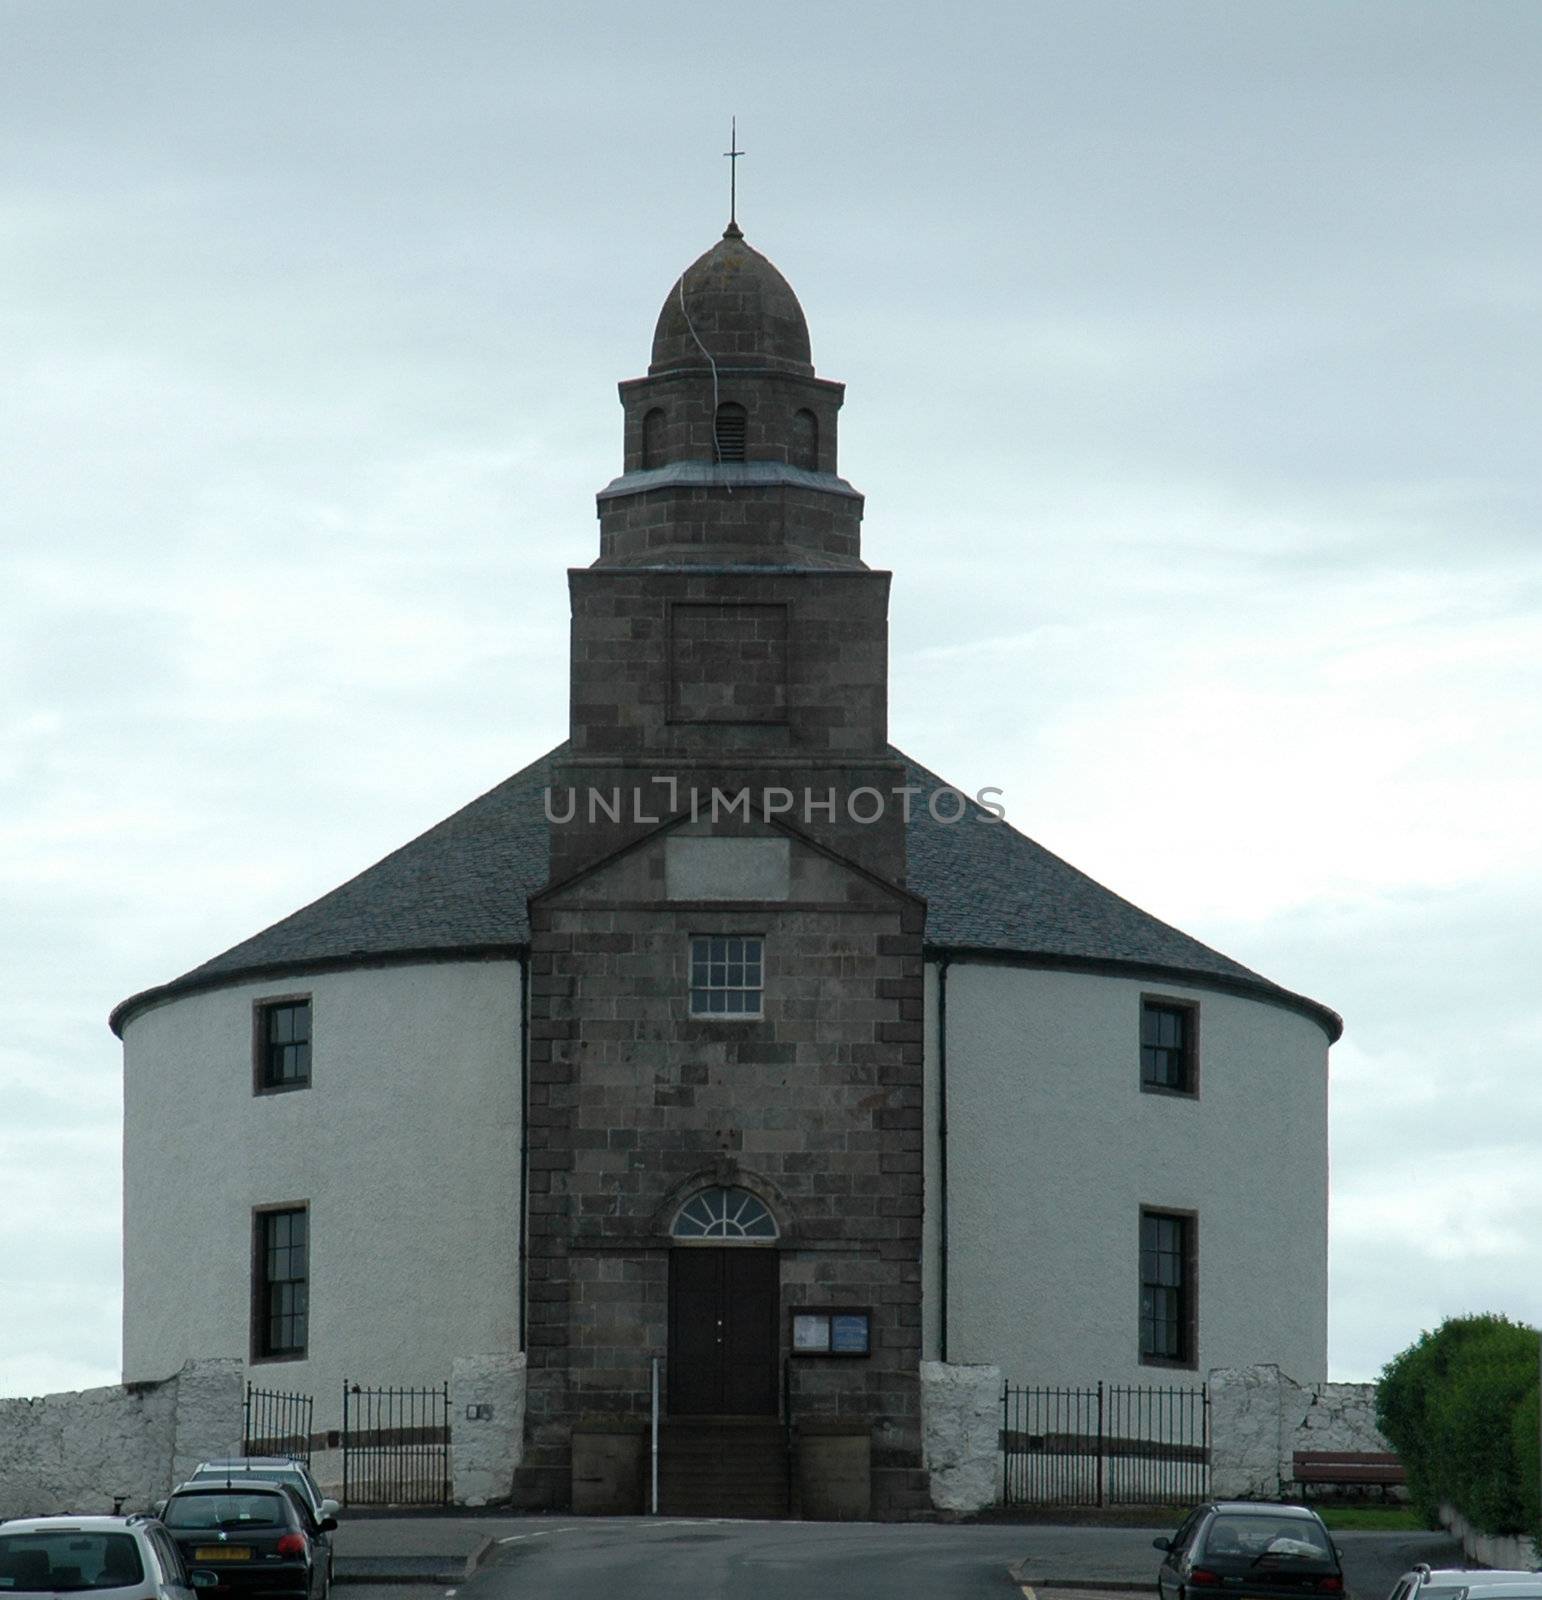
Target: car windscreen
[(232, 1509), (65, 1561), (1263, 1539)]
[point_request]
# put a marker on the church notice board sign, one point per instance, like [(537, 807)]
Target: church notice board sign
[(836, 1331)]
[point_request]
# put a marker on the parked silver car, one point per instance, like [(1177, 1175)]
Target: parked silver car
[(130, 1558), (271, 1469), (1467, 1583)]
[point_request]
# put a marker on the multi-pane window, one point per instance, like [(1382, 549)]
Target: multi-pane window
[(1167, 1323), (284, 1045), (1167, 1040), (723, 1214), (282, 1287), (727, 976)]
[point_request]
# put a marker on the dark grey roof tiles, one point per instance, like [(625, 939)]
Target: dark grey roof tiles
[(461, 888)]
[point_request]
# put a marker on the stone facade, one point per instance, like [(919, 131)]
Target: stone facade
[(815, 1107)]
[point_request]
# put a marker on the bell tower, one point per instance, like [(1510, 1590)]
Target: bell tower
[(730, 636), (726, 994)]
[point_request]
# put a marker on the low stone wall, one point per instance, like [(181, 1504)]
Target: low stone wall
[(1507, 1551), (961, 1434), (1259, 1418), (129, 1442), (487, 1427)]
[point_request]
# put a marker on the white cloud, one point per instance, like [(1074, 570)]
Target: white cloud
[(1193, 372)]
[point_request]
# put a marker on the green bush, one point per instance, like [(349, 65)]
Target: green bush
[(1528, 1454), (1452, 1406)]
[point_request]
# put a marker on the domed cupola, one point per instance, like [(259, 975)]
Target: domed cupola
[(730, 451), (731, 304)]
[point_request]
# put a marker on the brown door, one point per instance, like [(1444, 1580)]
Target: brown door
[(723, 1332)]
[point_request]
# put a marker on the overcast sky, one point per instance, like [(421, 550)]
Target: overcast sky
[(1193, 365)]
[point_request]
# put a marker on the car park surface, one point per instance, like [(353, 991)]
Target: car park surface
[(131, 1558)]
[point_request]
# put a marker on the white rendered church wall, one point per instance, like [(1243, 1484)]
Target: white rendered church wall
[(931, 1176), (405, 1149), (1053, 1151)]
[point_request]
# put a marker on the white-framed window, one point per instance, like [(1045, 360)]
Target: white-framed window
[(723, 1214), (727, 975)]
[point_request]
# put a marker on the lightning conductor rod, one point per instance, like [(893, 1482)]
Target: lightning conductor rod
[(733, 152)]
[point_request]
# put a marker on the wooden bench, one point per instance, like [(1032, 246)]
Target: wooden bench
[(1348, 1469)]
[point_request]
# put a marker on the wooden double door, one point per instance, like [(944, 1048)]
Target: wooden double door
[(724, 1323)]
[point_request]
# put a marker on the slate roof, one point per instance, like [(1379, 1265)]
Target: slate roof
[(459, 890)]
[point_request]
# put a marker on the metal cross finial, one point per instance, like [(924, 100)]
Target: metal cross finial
[(733, 152)]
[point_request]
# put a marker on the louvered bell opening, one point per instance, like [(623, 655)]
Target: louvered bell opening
[(729, 430)]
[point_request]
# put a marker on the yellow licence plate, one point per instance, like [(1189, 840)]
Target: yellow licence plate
[(222, 1552)]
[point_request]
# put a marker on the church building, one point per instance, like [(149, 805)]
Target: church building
[(725, 1035)]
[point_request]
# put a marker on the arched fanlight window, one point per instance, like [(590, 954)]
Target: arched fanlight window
[(653, 438), (803, 447), (723, 1214), (729, 429)]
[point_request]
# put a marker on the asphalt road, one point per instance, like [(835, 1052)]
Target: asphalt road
[(663, 1559)]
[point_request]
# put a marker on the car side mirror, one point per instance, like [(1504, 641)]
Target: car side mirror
[(330, 1508), (1161, 1544), (206, 1580), (327, 1524), (158, 1509)]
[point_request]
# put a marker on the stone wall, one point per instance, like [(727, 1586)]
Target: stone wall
[(487, 1427), (961, 1434), (1512, 1552), (1259, 1418), (129, 1442)]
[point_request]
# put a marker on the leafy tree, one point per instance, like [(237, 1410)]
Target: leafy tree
[(1451, 1406)]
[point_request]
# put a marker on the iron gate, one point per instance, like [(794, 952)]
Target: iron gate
[(396, 1446), (274, 1424), (1107, 1445)]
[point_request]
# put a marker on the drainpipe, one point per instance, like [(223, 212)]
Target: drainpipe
[(942, 1158), (524, 1136)]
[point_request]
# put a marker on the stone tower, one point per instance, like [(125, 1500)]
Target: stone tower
[(726, 966)]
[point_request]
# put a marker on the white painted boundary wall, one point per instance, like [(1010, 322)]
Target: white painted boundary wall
[(487, 1427), (961, 1434), (1259, 1418), (81, 1451), (1507, 1551)]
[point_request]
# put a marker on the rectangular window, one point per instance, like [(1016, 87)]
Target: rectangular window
[(283, 1029), (1167, 1285), (1169, 1037), (281, 1283), (727, 976)]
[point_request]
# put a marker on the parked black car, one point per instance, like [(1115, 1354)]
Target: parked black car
[(1249, 1550), (250, 1538)]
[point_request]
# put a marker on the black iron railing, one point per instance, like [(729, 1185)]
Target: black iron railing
[(275, 1424), (1105, 1445), (396, 1446)]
